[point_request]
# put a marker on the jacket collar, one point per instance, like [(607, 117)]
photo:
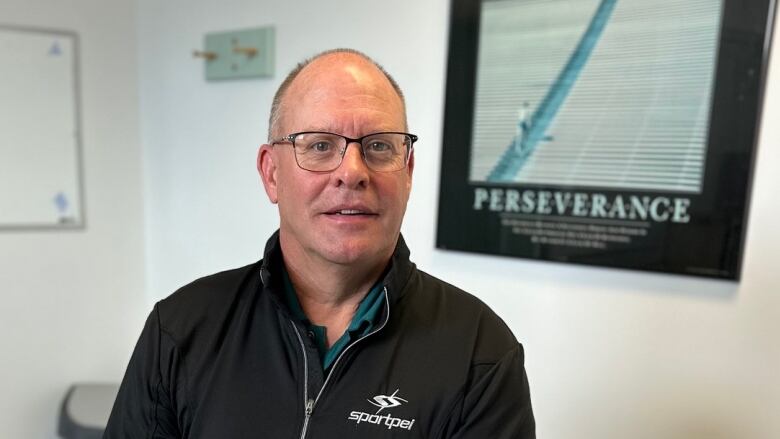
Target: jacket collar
[(395, 279)]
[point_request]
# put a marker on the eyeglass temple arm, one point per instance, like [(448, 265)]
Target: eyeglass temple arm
[(288, 138)]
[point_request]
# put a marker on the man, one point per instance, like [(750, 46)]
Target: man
[(334, 333)]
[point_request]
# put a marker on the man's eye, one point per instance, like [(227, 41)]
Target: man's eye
[(377, 146), (321, 146)]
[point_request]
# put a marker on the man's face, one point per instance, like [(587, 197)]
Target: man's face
[(342, 94)]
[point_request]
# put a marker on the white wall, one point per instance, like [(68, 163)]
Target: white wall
[(611, 354), (73, 301)]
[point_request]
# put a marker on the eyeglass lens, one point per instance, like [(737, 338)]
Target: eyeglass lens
[(382, 152)]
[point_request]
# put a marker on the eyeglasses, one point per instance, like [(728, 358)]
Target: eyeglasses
[(323, 152)]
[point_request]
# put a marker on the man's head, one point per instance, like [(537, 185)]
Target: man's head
[(274, 121), (351, 215)]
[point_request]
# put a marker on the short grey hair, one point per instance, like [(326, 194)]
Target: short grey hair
[(276, 105)]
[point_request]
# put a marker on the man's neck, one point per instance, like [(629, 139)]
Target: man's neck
[(329, 294)]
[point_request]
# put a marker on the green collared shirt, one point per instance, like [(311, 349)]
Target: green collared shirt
[(365, 319)]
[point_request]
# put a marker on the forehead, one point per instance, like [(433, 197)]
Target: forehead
[(342, 93)]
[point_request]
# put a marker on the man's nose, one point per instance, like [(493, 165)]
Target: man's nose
[(353, 171)]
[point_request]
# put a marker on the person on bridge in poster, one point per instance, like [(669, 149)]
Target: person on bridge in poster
[(335, 333)]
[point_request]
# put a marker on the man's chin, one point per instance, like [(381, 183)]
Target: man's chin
[(362, 247), (351, 255), (355, 252)]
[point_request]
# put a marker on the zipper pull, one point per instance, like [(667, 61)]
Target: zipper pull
[(309, 407)]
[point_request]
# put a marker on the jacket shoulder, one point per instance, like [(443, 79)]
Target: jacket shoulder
[(462, 316), (207, 300)]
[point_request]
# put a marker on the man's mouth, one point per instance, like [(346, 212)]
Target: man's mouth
[(350, 212)]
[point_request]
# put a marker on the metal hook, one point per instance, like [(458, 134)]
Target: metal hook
[(248, 51), (208, 56)]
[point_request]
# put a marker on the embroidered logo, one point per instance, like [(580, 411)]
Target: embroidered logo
[(386, 420), (386, 402)]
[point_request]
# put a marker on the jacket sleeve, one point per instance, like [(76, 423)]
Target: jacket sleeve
[(496, 402), (143, 407)]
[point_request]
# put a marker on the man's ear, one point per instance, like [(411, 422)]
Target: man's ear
[(266, 167)]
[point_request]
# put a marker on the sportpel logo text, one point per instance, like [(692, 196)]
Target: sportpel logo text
[(383, 402)]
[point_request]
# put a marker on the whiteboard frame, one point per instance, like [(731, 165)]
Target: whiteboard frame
[(81, 223)]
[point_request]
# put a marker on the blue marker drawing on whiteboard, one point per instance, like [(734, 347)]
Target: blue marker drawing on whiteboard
[(55, 49), (61, 203)]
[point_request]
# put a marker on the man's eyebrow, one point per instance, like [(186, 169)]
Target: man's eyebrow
[(316, 128)]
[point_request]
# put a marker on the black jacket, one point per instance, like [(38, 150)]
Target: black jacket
[(223, 358)]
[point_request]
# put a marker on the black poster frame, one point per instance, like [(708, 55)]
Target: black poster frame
[(710, 243)]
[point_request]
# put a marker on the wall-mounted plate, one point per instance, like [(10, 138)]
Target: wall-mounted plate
[(232, 64)]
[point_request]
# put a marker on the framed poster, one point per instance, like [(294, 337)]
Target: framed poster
[(617, 133)]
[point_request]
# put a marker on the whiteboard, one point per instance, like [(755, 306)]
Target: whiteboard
[(40, 147)]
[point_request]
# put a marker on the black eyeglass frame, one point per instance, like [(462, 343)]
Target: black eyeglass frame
[(290, 138)]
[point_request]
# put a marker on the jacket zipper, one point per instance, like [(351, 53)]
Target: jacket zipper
[(310, 404), (309, 409)]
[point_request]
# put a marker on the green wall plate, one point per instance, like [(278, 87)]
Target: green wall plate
[(240, 54)]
